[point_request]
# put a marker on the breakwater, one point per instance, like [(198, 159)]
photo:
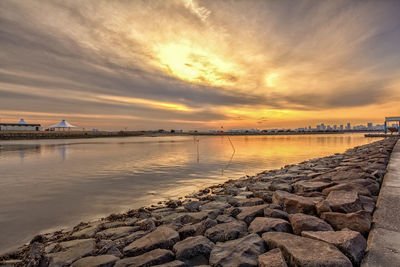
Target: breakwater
[(322, 206)]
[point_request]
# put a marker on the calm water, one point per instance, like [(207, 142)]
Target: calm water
[(47, 184)]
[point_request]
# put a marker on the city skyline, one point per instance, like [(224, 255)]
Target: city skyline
[(186, 64)]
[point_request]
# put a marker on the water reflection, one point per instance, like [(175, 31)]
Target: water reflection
[(45, 184)]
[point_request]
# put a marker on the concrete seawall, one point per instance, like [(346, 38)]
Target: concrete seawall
[(315, 213), (384, 238)]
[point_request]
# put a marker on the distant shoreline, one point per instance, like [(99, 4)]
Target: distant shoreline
[(25, 135)]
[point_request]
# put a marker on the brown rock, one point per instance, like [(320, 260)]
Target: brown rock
[(351, 243), (96, 261), (247, 214), (226, 231), (154, 257), (272, 258), (71, 251), (359, 221), (198, 247), (301, 251), (302, 222), (261, 225), (295, 204), (275, 213), (308, 186), (350, 186), (239, 252), (344, 201), (162, 237), (322, 206)]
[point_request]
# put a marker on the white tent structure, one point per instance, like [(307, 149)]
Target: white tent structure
[(63, 125), (21, 121)]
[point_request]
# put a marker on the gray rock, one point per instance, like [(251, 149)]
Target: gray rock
[(162, 237), (193, 205), (146, 224), (226, 231), (301, 251), (344, 201), (295, 204), (239, 252), (302, 222), (275, 186), (215, 205), (351, 243), (368, 203), (154, 257), (272, 258), (87, 232), (247, 214), (115, 233), (248, 202), (261, 225), (71, 251), (194, 250), (96, 261), (359, 221), (275, 213)]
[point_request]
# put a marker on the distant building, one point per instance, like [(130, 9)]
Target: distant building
[(20, 126), (369, 125)]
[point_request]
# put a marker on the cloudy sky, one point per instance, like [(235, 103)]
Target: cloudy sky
[(148, 64)]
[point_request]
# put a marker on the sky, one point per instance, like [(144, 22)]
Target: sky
[(187, 64)]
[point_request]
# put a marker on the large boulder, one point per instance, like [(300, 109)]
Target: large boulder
[(359, 221), (348, 186), (247, 214), (71, 251), (272, 258), (194, 250), (262, 224), (351, 243), (154, 257), (344, 201), (301, 251), (226, 231), (302, 222), (162, 237), (239, 252), (294, 203), (96, 261)]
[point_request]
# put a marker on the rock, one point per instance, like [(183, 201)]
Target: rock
[(368, 204), (173, 264), (226, 231), (225, 218), (351, 243), (344, 201), (360, 189), (322, 206), (308, 186), (121, 242), (162, 237), (115, 233), (108, 247), (96, 261), (302, 222), (154, 257), (196, 229), (247, 214), (215, 205), (359, 221), (193, 205), (275, 213), (272, 258), (295, 204), (301, 251), (275, 186), (195, 217), (87, 232), (71, 251), (261, 224), (146, 224), (248, 202), (239, 252), (194, 250)]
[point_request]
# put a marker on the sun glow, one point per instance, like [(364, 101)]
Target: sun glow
[(190, 62), (271, 79)]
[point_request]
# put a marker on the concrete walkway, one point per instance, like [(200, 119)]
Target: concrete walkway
[(384, 238)]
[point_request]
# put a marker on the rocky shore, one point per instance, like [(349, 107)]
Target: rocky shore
[(315, 213)]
